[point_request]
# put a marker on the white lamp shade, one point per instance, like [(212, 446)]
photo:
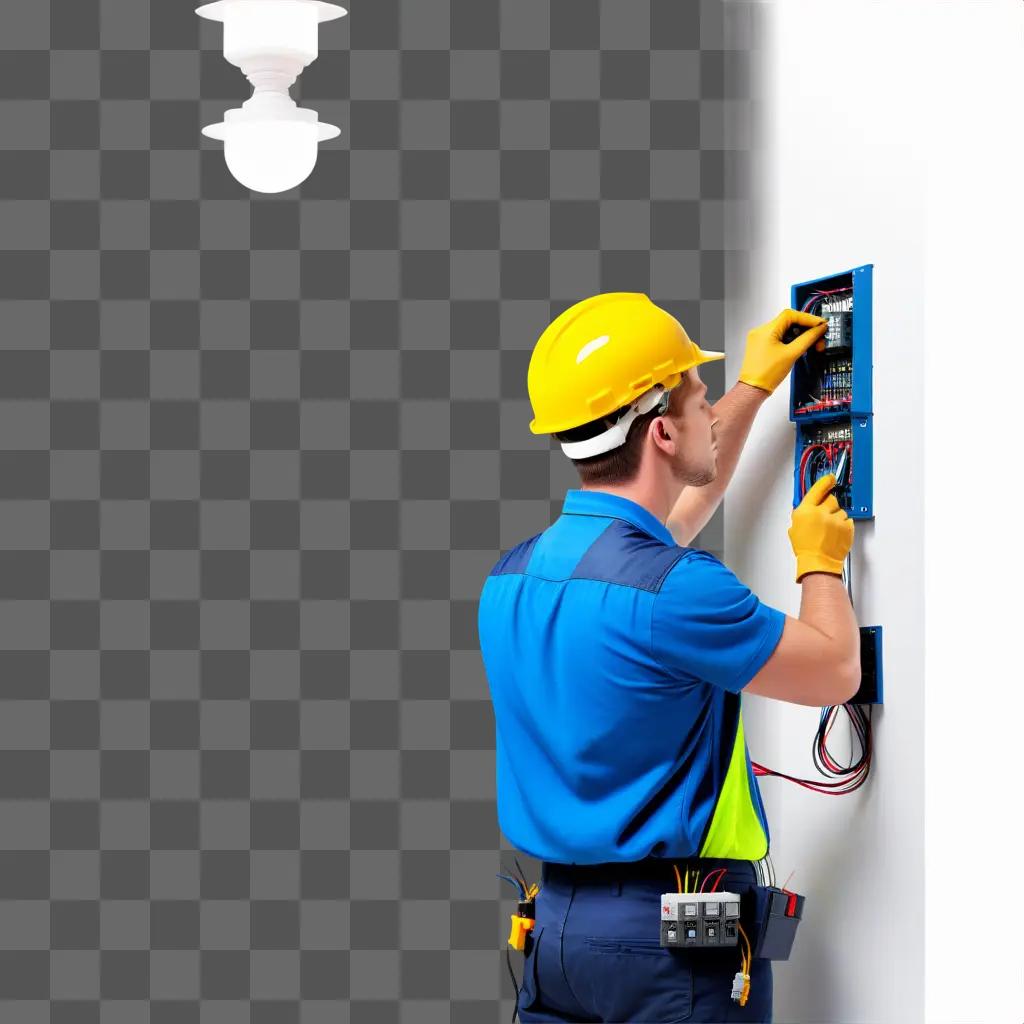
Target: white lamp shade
[(253, 28), (324, 11), (271, 26)]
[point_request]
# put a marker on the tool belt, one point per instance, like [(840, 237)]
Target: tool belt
[(769, 915)]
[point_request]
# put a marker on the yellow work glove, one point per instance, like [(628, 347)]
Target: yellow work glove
[(768, 360), (822, 533)]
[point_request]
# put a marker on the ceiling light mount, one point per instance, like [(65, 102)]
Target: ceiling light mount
[(270, 143)]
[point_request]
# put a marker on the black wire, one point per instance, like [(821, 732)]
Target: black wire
[(857, 771), (515, 984), (508, 955), (522, 874)]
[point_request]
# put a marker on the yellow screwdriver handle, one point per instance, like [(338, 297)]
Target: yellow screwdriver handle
[(520, 926)]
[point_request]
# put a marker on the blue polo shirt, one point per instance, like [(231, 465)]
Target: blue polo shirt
[(614, 659)]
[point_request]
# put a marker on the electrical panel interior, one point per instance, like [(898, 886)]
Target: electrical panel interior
[(830, 391)]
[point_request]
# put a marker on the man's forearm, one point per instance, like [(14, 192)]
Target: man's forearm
[(735, 412), (825, 605)]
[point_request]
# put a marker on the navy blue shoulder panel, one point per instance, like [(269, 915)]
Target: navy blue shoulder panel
[(516, 560), (627, 555)]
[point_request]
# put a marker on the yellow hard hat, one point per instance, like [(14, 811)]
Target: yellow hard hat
[(603, 353)]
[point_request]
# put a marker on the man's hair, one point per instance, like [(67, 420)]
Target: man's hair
[(621, 464)]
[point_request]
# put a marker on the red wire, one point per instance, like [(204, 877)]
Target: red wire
[(829, 763), (838, 788), (803, 465), (719, 872), (838, 784), (819, 789)]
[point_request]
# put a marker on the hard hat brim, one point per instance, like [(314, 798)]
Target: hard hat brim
[(709, 357)]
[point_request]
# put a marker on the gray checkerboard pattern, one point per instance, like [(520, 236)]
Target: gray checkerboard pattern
[(257, 455)]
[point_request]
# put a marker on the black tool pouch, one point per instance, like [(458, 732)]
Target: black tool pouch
[(771, 918)]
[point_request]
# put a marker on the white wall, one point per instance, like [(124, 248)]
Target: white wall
[(974, 553), (841, 186), (894, 137)]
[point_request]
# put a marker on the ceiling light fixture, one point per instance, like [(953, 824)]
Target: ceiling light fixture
[(270, 143)]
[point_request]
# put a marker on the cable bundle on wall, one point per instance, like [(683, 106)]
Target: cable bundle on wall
[(849, 777)]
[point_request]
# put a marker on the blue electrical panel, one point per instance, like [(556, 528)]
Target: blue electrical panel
[(830, 398), (830, 401)]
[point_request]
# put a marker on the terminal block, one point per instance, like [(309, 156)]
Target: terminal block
[(700, 919)]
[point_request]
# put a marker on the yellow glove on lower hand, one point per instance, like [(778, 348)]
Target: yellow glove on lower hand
[(822, 533), (768, 360)]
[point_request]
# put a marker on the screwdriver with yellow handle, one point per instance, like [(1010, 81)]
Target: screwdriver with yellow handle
[(523, 920)]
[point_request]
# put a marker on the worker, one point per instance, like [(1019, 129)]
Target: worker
[(616, 656)]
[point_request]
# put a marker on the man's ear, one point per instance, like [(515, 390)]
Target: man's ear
[(662, 431)]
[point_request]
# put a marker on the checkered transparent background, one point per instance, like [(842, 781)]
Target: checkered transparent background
[(257, 454)]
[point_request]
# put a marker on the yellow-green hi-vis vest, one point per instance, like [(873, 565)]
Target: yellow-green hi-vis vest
[(736, 830)]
